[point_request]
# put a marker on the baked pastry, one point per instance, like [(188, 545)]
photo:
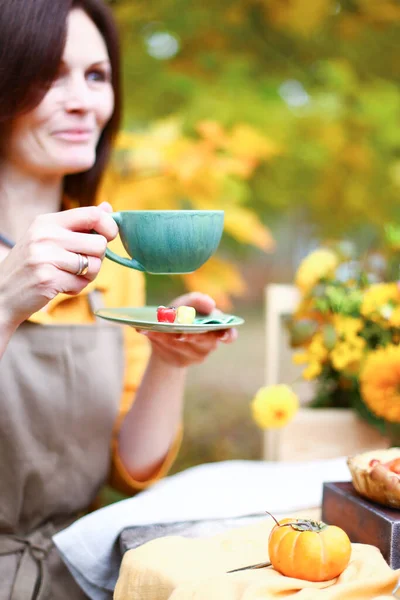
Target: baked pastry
[(376, 475)]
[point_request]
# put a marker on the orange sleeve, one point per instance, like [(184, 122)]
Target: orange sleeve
[(131, 292), (121, 479)]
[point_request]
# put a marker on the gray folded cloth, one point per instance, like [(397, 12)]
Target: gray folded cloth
[(135, 536)]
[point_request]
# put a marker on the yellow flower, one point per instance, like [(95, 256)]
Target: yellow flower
[(347, 326), (376, 300), (317, 348), (357, 342), (312, 371), (394, 318), (347, 355), (315, 355), (300, 358), (340, 356), (380, 382), (348, 351), (274, 406), (317, 265)]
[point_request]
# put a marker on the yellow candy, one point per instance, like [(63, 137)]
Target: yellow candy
[(185, 315)]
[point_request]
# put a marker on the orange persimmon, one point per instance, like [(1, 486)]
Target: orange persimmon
[(307, 549)]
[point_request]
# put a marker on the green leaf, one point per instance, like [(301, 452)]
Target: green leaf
[(329, 336), (301, 331)]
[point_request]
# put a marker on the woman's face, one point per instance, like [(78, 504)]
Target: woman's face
[(60, 135)]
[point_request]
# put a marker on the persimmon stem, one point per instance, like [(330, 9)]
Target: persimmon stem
[(306, 525), (309, 524), (276, 521)]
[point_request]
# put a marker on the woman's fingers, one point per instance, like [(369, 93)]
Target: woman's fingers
[(70, 262), (203, 303), (55, 256), (226, 336), (55, 239), (46, 261), (201, 340), (85, 219), (84, 243), (70, 284)]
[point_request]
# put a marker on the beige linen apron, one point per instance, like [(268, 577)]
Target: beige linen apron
[(60, 388)]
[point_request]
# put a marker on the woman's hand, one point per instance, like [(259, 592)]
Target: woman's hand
[(45, 261), (182, 350)]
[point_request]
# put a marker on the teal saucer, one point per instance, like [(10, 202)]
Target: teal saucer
[(146, 318)]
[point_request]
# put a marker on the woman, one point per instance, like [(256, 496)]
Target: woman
[(65, 379)]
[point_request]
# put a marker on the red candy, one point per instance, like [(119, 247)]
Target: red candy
[(166, 314)]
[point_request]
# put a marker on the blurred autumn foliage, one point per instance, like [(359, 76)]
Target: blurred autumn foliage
[(268, 109), (164, 169)]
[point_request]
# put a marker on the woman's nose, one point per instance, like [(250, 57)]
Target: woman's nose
[(78, 97)]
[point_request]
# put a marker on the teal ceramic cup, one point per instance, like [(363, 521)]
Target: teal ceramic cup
[(167, 242)]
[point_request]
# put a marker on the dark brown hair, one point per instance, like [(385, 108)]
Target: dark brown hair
[(32, 40)]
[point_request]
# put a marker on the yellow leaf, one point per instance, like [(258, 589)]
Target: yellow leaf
[(147, 159), (241, 167), (384, 11), (143, 194), (245, 226), (394, 173), (248, 142), (109, 183), (350, 26), (126, 140), (204, 187), (166, 131), (357, 156), (218, 278), (332, 136), (213, 132), (189, 166), (301, 16)]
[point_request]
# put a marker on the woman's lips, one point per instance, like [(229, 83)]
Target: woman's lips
[(74, 135)]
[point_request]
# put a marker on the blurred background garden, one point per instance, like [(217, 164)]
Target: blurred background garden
[(283, 113)]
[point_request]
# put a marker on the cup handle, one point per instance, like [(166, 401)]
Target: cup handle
[(126, 262)]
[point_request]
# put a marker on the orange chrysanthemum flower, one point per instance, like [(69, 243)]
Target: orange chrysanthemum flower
[(380, 382)]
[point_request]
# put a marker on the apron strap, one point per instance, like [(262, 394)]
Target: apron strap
[(32, 578), (96, 303)]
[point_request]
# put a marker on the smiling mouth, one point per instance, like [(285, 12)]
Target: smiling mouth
[(74, 135)]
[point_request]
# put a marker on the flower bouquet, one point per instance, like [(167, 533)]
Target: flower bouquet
[(346, 330)]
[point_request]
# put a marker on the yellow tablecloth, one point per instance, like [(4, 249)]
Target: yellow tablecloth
[(177, 568)]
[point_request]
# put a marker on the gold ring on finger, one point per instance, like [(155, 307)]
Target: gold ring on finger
[(83, 264)]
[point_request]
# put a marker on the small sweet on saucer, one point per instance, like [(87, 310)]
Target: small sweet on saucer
[(184, 315), (376, 475), (166, 314)]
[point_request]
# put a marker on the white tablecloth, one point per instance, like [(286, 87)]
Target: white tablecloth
[(212, 491)]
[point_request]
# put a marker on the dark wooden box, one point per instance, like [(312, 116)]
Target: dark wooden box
[(364, 521)]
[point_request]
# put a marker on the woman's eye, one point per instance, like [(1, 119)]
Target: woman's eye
[(98, 75)]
